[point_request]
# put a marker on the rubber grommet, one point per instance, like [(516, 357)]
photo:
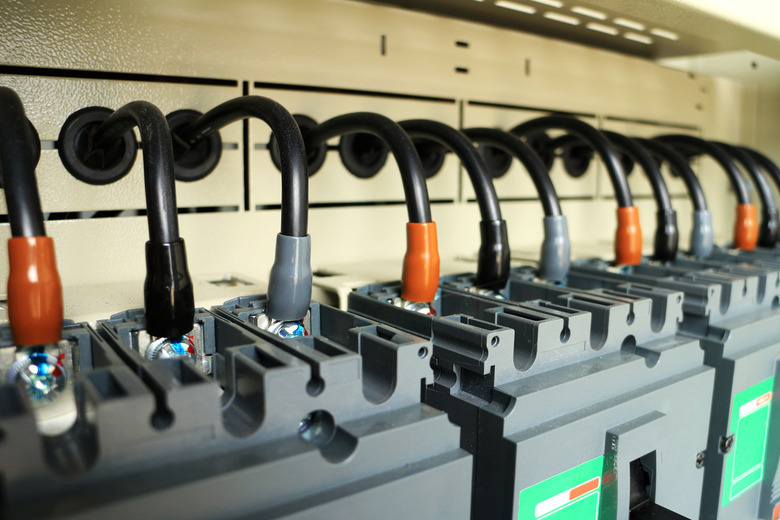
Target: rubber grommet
[(497, 161), (195, 161), (315, 157), (363, 154), (97, 167), (576, 160), (432, 156), (541, 144)]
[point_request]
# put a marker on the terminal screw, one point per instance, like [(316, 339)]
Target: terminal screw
[(283, 329), (422, 308), (486, 292), (164, 348), (700, 459), (43, 375), (726, 443)]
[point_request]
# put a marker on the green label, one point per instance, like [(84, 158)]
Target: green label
[(749, 424), (572, 495)]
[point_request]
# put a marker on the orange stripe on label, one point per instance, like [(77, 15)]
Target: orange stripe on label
[(587, 487), (776, 513), (764, 398)]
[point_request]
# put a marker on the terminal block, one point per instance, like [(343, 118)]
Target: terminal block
[(622, 311), (710, 295), (734, 313), (196, 347), (296, 428), (352, 388), (547, 411)]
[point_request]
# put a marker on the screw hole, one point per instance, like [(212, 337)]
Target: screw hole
[(678, 299), (422, 353), (317, 428), (565, 334), (630, 318), (162, 419), (494, 341), (776, 302), (315, 386)]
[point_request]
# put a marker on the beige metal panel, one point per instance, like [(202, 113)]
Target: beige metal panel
[(292, 41), (637, 180), (689, 26), (48, 103), (516, 183), (333, 183)]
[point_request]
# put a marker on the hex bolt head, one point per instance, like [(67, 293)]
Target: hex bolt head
[(726, 443), (700, 459)]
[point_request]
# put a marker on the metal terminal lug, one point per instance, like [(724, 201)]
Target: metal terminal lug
[(164, 348), (486, 292), (44, 370), (188, 347), (422, 308), (283, 329), (546, 282)]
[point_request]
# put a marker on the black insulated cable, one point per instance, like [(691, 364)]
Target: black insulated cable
[(766, 163), (555, 256), (680, 167), (702, 236), (640, 156), (768, 228), (34, 290), (475, 167), (667, 235), (594, 139), (746, 228), (169, 303), (401, 146), (494, 254), (290, 280), (295, 178), (517, 148), (158, 163), (691, 146), (17, 160), (420, 274)]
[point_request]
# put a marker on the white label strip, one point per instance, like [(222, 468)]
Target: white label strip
[(755, 404), (561, 499)]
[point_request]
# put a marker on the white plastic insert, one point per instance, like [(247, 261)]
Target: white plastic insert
[(563, 18), (639, 38), (600, 27), (630, 24), (514, 6), (591, 13)]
